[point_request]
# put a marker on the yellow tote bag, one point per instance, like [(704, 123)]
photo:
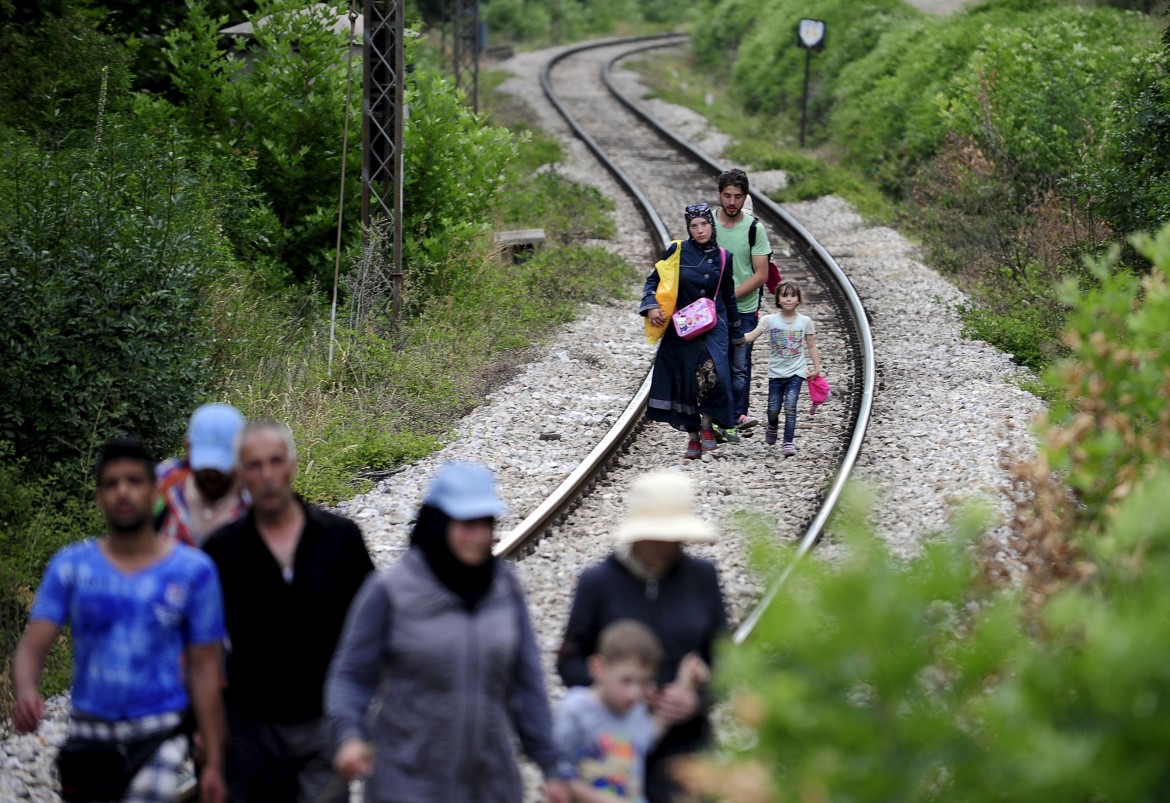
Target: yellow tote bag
[(667, 293)]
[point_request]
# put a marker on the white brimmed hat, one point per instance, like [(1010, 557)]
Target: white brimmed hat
[(662, 508)]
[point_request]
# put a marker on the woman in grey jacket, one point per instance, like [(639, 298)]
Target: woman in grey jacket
[(443, 644)]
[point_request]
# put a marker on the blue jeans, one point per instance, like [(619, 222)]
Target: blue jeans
[(741, 366), (784, 392)]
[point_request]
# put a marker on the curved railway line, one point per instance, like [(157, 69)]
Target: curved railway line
[(662, 171)]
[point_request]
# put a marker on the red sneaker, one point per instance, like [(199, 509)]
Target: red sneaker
[(707, 439)]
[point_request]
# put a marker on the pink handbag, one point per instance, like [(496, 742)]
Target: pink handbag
[(699, 316), (818, 393)]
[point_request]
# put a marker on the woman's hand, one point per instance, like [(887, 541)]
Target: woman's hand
[(674, 704), (354, 759), (656, 317)]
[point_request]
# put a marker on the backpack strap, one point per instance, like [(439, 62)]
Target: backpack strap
[(752, 236)]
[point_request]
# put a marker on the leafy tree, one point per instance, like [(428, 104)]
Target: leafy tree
[(1130, 178), (104, 255), (278, 100), (144, 27), (55, 68), (284, 108)]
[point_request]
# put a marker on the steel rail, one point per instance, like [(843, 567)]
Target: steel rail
[(524, 535), (868, 372), (556, 505)]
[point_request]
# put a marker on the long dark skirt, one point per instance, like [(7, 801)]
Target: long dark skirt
[(692, 377)]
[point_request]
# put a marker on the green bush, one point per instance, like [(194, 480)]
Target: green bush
[(1129, 179), (768, 72), (1024, 332), (885, 116), (55, 62), (879, 679), (454, 173), (37, 517), (572, 20), (1032, 95), (105, 254), (1112, 427), (279, 103)]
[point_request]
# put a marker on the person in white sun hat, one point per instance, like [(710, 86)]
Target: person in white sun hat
[(650, 577)]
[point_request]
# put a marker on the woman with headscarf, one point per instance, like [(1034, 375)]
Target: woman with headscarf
[(649, 577), (443, 645), (691, 385)]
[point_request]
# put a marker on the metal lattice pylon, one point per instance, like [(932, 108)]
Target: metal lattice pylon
[(383, 70), (467, 46)]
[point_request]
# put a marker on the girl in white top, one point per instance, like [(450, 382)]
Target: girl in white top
[(792, 337)]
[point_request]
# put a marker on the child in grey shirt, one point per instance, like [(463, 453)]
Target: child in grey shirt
[(607, 729)]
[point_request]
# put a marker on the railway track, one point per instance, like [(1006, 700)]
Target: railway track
[(662, 172)]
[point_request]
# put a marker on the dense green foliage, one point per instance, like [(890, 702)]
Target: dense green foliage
[(105, 255), (54, 65), (1132, 181), (455, 171), (237, 106), (1017, 137), (569, 20), (157, 251), (886, 680)]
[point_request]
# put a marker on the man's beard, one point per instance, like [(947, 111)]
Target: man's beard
[(127, 526)]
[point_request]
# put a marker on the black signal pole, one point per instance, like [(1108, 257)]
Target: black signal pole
[(810, 34)]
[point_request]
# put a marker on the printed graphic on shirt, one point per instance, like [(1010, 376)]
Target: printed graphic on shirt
[(787, 342), (610, 766)]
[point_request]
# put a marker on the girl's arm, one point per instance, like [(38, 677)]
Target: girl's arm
[(811, 342), (754, 334)]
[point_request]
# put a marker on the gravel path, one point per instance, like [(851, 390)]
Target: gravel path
[(945, 412)]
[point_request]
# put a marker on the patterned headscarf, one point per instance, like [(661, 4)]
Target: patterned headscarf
[(704, 211)]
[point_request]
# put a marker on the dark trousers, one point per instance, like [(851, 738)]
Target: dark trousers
[(270, 762), (741, 370)]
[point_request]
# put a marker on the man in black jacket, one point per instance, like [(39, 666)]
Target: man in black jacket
[(289, 572)]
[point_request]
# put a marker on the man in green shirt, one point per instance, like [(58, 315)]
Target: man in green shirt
[(750, 269)]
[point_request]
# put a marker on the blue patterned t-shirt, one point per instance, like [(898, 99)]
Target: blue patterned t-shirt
[(129, 630)]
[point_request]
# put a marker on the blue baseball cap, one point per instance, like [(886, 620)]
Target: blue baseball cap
[(465, 491), (211, 437)]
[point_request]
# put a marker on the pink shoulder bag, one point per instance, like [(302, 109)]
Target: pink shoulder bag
[(699, 316)]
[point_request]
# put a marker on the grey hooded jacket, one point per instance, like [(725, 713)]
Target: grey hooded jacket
[(451, 687)]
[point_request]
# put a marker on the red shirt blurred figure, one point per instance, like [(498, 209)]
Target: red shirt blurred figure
[(202, 492)]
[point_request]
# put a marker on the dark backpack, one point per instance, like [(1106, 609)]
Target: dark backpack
[(774, 277)]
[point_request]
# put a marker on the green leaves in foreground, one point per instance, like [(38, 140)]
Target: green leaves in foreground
[(879, 680)]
